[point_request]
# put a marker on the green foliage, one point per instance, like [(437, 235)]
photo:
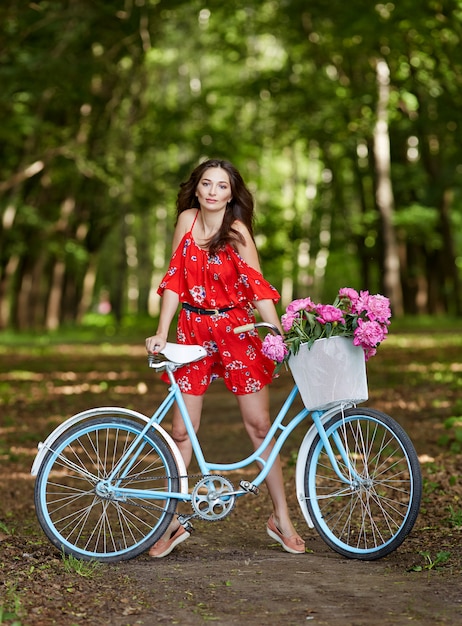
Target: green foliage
[(110, 107), (452, 438), (455, 517), (420, 223), (431, 563)]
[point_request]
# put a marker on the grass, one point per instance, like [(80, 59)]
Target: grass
[(85, 569), (95, 329), (11, 610), (455, 517), (6, 529)]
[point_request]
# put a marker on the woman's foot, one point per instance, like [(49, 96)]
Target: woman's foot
[(168, 542), (293, 544)]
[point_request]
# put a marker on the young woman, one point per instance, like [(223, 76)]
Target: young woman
[(215, 275)]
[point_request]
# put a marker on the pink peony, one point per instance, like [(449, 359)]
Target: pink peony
[(274, 348), (305, 304), (378, 309), (369, 334), (359, 315), (329, 313), (287, 321), (369, 352), (348, 292)]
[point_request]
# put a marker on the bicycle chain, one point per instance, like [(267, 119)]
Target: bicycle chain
[(138, 477), (151, 507)]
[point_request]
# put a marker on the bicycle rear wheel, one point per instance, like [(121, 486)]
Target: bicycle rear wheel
[(73, 509), (370, 512)]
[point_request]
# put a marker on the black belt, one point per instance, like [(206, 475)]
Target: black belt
[(196, 309)]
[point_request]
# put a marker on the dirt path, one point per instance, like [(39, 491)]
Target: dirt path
[(209, 579), (228, 572), (272, 588)]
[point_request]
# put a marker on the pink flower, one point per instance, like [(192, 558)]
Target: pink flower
[(287, 321), (361, 303), (348, 292), (305, 304), (359, 315), (274, 348), (369, 352), (329, 313), (369, 334), (378, 309)]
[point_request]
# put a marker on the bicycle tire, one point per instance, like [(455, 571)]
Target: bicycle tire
[(369, 516), (81, 522)]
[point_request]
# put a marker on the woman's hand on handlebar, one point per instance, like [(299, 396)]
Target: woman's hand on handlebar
[(155, 344)]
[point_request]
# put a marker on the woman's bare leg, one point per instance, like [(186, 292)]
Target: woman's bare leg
[(179, 433), (255, 414), (181, 438)]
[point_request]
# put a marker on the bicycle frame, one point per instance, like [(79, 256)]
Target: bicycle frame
[(112, 483)]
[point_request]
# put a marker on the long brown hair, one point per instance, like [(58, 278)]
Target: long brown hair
[(240, 207)]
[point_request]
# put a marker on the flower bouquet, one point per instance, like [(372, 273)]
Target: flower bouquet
[(332, 371)]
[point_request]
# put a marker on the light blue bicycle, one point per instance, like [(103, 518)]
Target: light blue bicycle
[(109, 479)]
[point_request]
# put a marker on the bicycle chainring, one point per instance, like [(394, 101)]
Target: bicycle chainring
[(213, 498)]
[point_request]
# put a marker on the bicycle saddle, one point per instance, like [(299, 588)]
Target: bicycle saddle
[(180, 354)]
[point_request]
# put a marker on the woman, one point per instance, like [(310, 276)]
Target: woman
[(215, 274)]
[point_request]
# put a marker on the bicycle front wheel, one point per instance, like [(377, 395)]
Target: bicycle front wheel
[(85, 517), (367, 511)]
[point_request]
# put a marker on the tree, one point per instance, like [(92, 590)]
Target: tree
[(109, 106)]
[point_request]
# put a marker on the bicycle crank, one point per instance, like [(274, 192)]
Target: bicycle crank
[(213, 498)]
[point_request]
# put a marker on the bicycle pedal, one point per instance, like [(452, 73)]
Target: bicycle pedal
[(249, 487), (184, 521)]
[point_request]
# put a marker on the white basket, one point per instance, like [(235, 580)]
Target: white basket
[(331, 372)]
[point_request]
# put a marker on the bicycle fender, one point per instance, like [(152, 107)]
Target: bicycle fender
[(43, 447), (301, 464)]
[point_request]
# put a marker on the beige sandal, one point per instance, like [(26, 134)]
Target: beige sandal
[(293, 544), (165, 546)]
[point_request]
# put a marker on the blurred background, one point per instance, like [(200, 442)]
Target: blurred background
[(343, 118)]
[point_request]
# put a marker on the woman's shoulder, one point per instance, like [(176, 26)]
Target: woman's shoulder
[(183, 226), (186, 219), (242, 229)]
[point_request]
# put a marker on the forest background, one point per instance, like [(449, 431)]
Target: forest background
[(343, 118)]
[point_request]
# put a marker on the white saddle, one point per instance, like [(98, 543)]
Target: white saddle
[(180, 354)]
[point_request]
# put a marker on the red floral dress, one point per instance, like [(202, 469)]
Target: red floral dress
[(213, 282)]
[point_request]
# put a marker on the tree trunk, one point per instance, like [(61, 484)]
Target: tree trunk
[(7, 279), (87, 290), (384, 191), (448, 258), (55, 297)]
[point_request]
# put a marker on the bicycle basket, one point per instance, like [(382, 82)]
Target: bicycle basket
[(331, 372)]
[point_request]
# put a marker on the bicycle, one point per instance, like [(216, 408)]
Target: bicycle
[(109, 479)]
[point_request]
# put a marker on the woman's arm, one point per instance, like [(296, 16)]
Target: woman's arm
[(170, 299), (267, 312), (247, 250), (156, 343)]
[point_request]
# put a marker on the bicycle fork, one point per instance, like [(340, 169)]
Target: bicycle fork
[(353, 478)]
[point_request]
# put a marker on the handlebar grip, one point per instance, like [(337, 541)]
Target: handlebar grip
[(243, 329)]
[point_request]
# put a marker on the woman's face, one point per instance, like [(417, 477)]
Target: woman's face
[(214, 189)]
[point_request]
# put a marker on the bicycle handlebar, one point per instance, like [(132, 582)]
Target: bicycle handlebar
[(247, 327)]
